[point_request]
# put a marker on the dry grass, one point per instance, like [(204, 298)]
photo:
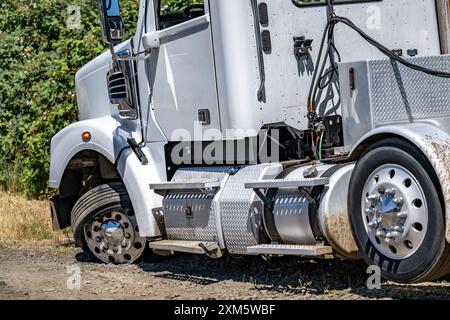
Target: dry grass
[(12, 177), (27, 223)]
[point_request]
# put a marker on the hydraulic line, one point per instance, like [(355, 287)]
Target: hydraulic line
[(322, 79), (316, 70), (386, 51), (318, 77), (321, 145)]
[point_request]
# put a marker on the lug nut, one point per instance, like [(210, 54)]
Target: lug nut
[(390, 235), (373, 224), (127, 236), (381, 234), (124, 245), (105, 247), (369, 211), (398, 201), (391, 192), (399, 229), (373, 197), (98, 239), (396, 235), (402, 215), (115, 249)]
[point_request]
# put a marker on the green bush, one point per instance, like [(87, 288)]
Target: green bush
[(39, 56), (175, 6)]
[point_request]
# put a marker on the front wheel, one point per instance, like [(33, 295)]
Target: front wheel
[(396, 213), (104, 223)]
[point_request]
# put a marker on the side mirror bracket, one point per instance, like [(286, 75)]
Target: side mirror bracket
[(151, 40)]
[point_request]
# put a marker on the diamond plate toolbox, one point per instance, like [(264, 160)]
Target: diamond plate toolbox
[(200, 224), (383, 92)]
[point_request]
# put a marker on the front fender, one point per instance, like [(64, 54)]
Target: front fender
[(108, 137), (434, 143), (137, 178)]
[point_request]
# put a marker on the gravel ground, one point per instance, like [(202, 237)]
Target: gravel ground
[(43, 274)]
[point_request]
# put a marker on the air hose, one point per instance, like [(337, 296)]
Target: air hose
[(317, 82), (322, 79)]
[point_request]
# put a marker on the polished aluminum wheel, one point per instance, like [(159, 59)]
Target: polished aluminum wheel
[(113, 237), (395, 211)]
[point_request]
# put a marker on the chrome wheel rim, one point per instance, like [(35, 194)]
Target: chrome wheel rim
[(395, 211), (113, 237)]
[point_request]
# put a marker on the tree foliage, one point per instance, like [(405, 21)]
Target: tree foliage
[(174, 6), (39, 56)]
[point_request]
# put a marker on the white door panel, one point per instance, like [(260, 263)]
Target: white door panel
[(184, 81)]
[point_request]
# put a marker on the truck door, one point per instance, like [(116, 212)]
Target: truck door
[(182, 70)]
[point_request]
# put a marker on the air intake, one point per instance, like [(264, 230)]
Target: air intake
[(117, 88), (121, 88)]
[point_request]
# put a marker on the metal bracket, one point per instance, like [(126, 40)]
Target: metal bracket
[(302, 47), (263, 197), (287, 183), (137, 151), (207, 186)]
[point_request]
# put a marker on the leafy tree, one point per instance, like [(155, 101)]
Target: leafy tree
[(170, 6), (39, 56)]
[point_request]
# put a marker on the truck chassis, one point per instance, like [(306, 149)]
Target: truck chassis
[(364, 177)]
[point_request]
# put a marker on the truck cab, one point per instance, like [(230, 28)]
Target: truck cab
[(283, 127)]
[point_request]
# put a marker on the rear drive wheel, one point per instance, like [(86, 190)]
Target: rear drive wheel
[(396, 213), (104, 224)]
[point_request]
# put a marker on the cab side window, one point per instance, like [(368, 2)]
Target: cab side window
[(305, 3), (173, 12)]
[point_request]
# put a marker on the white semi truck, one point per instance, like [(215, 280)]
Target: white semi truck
[(314, 128)]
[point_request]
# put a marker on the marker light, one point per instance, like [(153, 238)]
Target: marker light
[(86, 136)]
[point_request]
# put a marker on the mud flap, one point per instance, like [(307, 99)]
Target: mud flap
[(60, 213)]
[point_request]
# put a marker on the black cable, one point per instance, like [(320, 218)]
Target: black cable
[(316, 70), (321, 80), (328, 34), (322, 69), (332, 52), (386, 51), (326, 78), (315, 83)]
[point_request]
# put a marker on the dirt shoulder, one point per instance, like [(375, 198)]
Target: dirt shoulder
[(43, 274)]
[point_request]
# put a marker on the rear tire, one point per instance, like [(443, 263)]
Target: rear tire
[(104, 224), (396, 213)]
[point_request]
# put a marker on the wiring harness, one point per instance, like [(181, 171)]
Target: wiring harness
[(329, 53)]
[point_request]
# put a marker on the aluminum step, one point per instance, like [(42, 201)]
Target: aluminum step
[(287, 183), (292, 250), (196, 247), (162, 187)]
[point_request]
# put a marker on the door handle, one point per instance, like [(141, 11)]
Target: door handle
[(153, 39)]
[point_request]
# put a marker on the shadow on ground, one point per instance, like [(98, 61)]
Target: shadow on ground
[(284, 275)]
